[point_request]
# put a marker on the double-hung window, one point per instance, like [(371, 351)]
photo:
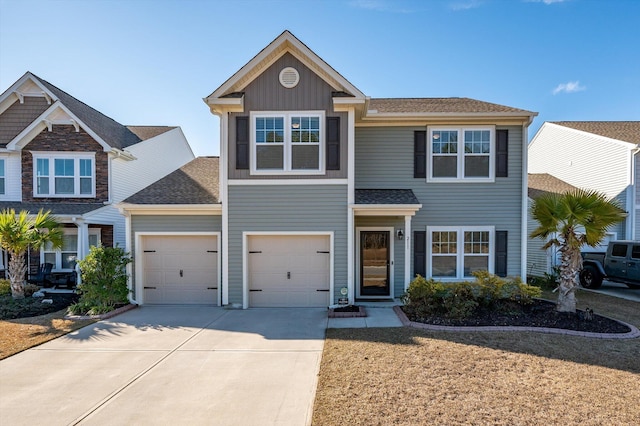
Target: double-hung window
[(64, 175), (461, 154), (287, 143), (64, 259), (457, 252), (3, 181)]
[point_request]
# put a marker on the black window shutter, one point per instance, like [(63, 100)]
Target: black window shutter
[(419, 253), (420, 154), (333, 143), (501, 254), (502, 153), (242, 142)]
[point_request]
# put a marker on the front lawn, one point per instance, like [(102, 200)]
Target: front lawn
[(404, 376)]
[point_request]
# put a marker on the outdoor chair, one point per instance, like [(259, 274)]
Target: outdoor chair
[(43, 278)]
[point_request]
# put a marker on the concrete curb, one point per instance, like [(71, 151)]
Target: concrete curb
[(103, 316), (634, 333)]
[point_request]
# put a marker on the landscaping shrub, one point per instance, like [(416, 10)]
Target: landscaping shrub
[(547, 281), (5, 287), (427, 297), (104, 281)]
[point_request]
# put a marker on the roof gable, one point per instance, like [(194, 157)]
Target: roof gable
[(284, 43)]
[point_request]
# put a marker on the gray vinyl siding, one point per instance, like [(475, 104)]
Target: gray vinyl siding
[(266, 93), (537, 259), (398, 246), (286, 208), (384, 160), (171, 223)]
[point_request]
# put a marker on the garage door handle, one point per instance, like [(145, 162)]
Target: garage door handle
[(255, 252), (149, 251), (322, 289), (212, 251), (181, 273), (324, 252), (255, 289), (212, 288), (149, 288)]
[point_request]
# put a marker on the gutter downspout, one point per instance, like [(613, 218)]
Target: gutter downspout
[(632, 197)]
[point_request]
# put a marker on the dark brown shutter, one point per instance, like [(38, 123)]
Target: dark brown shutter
[(501, 254), (242, 142), (420, 154), (333, 143), (502, 153), (419, 253)]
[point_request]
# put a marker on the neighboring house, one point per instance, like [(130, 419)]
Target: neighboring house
[(539, 261), (59, 154), (595, 155), (323, 189)]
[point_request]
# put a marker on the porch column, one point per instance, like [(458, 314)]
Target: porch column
[(83, 239), (407, 251)]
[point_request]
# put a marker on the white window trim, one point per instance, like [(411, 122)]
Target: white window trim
[(57, 267), (287, 142), (52, 156), (460, 249), (461, 154)]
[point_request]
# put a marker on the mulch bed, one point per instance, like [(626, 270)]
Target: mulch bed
[(541, 313), (32, 306)]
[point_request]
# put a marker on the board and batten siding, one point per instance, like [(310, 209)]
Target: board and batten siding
[(384, 160), (170, 223), (286, 208), (583, 160), (266, 93), (397, 223)]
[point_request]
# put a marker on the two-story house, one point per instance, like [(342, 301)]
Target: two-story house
[(59, 154), (595, 155), (326, 193)]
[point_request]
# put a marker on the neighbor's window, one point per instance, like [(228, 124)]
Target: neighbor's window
[(65, 257), (288, 143), (456, 253), (461, 154), (64, 175)]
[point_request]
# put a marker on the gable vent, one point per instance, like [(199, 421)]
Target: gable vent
[(289, 77)]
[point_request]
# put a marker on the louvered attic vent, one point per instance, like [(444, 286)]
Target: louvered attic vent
[(289, 77)]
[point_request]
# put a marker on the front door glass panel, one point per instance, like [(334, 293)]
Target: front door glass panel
[(374, 263)]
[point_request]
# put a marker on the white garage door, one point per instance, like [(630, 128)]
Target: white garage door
[(180, 269), (289, 271)]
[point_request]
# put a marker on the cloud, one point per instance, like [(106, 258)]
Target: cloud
[(570, 87), (465, 5), (547, 1)]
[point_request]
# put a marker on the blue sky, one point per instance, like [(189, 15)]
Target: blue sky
[(150, 62)]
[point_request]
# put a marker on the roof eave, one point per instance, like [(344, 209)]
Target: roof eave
[(385, 209), (175, 209)]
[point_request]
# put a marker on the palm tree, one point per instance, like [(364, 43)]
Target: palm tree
[(573, 219), (17, 233)]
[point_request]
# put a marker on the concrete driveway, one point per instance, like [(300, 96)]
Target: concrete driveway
[(171, 365), (618, 290)]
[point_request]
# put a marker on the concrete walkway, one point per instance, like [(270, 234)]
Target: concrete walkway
[(173, 366), (618, 290)]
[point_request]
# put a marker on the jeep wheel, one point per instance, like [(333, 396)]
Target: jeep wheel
[(590, 277)]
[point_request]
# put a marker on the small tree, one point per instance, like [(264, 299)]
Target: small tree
[(104, 280), (576, 218), (17, 233)]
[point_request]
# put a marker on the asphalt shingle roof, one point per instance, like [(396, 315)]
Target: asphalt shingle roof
[(148, 132), (439, 105), (55, 208), (627, 131), (112, 132), (385, 196), (543, 183), (194, 183)]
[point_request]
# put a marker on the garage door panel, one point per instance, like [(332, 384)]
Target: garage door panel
[(304, 257), (180, 269)]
